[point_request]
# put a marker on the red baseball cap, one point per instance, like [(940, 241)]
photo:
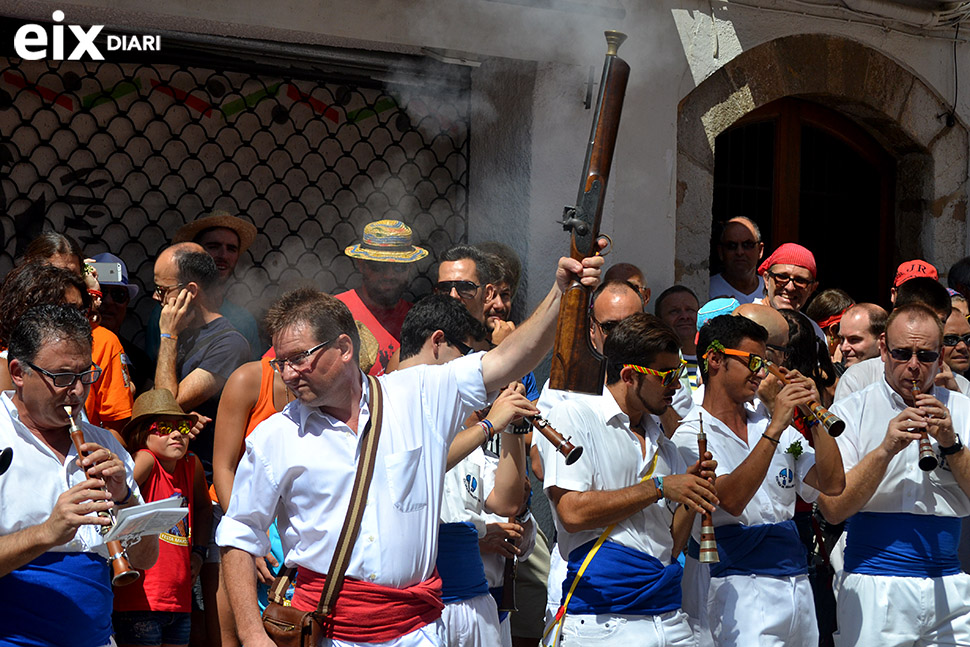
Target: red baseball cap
[(912, 269)]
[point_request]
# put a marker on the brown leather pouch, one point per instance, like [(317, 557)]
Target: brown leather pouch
[(289, 627)]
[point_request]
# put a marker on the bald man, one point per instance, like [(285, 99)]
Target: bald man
[(740, 248), (632, 274)]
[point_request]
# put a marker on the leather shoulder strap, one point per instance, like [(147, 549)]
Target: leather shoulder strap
[(358, 497)]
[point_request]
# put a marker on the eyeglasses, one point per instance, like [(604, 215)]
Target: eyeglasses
[(667, 378), (606, 326), (953, 340), (732, 246), (463, 348), (118, 294), (465, 289), (164, 427), (298, 360), (906, 354), (755, 363), (162, 290), (783, 351), (65, 380), (784, 279)]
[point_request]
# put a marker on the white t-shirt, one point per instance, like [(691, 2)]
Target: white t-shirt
[(721, 288)]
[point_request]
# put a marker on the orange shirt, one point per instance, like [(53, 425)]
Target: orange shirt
[(110, 397)]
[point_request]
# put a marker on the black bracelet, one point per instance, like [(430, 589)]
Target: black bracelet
[(767, 437)]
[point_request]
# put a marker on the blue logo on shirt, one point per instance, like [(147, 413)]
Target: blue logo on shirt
[(786, 478), (471, 483)]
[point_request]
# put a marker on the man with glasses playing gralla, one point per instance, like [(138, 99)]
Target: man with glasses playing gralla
[(902, 573), (759, 591)]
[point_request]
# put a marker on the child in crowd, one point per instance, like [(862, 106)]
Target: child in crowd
[(156, 609)]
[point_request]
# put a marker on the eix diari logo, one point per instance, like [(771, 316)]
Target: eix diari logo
[(31, 41)]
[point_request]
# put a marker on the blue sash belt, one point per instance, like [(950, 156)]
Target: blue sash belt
[(765, 549), (459, 563), (57, 599), (621, 580), (902, 544)]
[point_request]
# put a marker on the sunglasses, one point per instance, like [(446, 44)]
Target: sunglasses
[(164, 427), (606, 326), (783, 351), (784, 279), (953, 340), (755, 363), (116, 294), (462, 347), (465, 289), (732, 246), (906, 354), (667, 378)]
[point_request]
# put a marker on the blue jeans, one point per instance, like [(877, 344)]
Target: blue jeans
[(152, 627)]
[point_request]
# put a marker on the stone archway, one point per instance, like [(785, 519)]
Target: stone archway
[(889, 101)]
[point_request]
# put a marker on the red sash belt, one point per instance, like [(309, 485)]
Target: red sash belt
[(371, 613)]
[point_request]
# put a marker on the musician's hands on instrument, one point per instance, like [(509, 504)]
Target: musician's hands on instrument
[(263, 565), (587, 272), (495, 538), (509, 405), (693, 491), (100, 463), (902, 430), (791, 396), (706, 468), (175, 313), (938, 419), (73, 509)]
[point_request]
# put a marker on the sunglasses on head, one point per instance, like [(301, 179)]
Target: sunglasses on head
[(667, 378), (465, 289), (164, 427), (953, 340), (906, 354)]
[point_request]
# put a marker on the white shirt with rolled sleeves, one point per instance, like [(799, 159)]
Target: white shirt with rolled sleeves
[(37, 477), (782, 603), (933, 610), (300, 465), (612, 460)]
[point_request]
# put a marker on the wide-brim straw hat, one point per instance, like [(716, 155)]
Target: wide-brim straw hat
[(157, 402), (368, 347), (387, 241), (218, 219)]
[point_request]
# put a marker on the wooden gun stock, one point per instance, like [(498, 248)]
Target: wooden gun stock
[(576, 365), (508, 581)]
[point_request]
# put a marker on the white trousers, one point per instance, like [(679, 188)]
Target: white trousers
[(695, 587), (762, 611), (882, 611), (472, 623), (667, 630), (430, 635), (557, 573)]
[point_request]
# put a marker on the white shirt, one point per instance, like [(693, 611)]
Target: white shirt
[(872, 370), (299, 465), (495, 564), (612, 460), (721, 288), (774, 500), (465, 492), (37, 477), (905, 487)]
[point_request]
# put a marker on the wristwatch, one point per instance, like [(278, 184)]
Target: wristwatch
[(952, 449)]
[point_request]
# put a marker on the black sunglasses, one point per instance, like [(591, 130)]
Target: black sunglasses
[(116, 294), (784, 279), (463, 348), (953, 340), (606, 326), (906, 354), (732, 245), (465, 289)]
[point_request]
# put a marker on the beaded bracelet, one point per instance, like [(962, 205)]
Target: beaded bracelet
[(658, 482)]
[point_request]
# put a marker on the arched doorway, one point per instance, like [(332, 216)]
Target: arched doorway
[(807, 174), (893, 106)]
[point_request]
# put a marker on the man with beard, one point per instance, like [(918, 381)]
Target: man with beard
[(384, 259)]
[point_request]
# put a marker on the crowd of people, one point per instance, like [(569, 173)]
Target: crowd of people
[(769, 465)]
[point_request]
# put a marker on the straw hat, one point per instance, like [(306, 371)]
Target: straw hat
[(150, 404), (368, 347), (221, 219), (387, 241)]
